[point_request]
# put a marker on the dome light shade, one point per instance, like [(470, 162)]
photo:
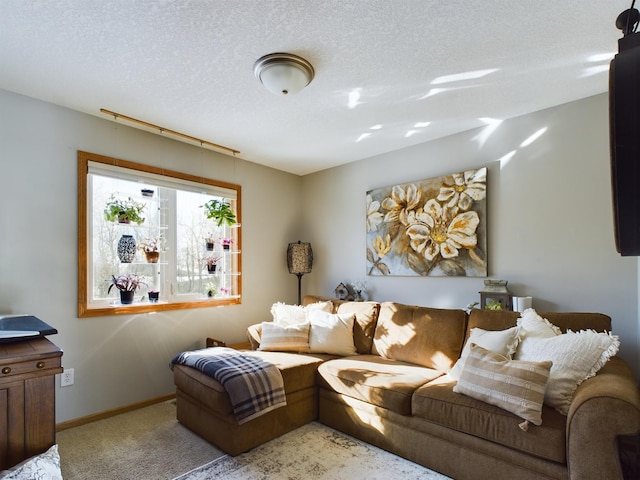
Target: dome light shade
[(283, 73)]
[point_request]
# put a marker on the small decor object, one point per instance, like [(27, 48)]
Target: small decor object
[(226, 243), (126, 248), (154, 296), (433, 227), (299, 262), (127, 284), (220, 211), (211, 261), (495, 296), (146, 192), (358, 289), (124, 211), (341, 292), (152, 248), (224, 291)]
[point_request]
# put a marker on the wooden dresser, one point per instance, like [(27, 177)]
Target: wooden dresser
[(27, 399)]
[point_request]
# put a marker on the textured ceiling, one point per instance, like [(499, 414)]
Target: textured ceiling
[(389, 73)]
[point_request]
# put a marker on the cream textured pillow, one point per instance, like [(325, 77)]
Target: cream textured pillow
[(278, 338), (503, 342), (284, 314), (331, 333), (576, 356), (515, 386), (45, 466)]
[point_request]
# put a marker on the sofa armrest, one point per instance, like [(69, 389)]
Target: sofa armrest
[(254, 333), (603, 407)]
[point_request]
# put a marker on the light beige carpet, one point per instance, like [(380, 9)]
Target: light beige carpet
[(145, 444)]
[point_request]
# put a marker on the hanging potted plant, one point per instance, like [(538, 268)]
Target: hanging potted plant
[(152, 247), (127, 284), (211, 261), (124, 211), (220, 212), (226, 243)]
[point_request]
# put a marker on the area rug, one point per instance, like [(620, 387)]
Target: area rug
[(315, 452)]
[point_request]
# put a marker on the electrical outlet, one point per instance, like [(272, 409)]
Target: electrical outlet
[(66, 377)]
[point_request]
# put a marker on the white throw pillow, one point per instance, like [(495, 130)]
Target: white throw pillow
[(45, 466), (284, 314), (576, 356), (331, 333), (503, 342)]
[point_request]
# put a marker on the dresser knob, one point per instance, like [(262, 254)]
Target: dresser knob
[(40, 365), (6, 370)]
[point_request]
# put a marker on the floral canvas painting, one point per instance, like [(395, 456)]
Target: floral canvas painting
[(434, 227)]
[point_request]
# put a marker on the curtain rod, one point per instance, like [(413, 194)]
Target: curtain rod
[(172, 132)]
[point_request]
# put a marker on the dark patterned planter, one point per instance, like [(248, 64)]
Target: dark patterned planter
[(126, 248)]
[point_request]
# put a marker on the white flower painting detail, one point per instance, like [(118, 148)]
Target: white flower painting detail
[(434, 227)]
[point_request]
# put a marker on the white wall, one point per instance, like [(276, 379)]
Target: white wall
[(550, 227), (121, 360)]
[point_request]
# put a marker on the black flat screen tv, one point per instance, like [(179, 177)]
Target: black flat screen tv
[(624, 125)]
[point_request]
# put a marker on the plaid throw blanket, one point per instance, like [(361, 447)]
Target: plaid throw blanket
[(255, 386)]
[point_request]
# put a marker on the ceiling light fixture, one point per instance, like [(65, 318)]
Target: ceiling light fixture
[(283, 73)]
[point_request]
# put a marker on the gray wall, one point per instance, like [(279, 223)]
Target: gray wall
[(120, 360), (550, 227), (550, 235)]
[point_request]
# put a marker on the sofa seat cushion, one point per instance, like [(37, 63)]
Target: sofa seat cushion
[(385, 383), (431, 337), (298, 373), (436, 402)]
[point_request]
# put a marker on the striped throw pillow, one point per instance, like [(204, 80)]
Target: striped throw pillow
[(279, 338), (513, 385)]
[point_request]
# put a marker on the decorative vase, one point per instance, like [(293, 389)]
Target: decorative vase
[(152, 257), (126, 296), (126, 248), (153, 297), (212, 268)]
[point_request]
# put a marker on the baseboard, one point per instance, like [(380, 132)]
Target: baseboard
[(110, 413)]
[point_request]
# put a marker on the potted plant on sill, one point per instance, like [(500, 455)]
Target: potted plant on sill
[(226, 243), (152, 247), (124, 211), (220, 212), (210, 289), (211, 261), (127, 284)]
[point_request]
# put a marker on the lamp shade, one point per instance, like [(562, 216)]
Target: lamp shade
[(283, 73), (299, 258)]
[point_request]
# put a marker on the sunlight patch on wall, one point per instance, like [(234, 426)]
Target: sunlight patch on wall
[(505, 159), (491, 126), (362, 137), (533, 137)]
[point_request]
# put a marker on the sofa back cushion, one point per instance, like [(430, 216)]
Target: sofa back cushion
[(501, 320), (366, 319), (431, 337)]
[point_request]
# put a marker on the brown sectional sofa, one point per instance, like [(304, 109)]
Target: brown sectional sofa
[(394, 394)]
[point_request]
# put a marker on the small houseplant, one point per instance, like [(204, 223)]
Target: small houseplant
[(210, 289), (211, 261), (226, 243), (124, 211), (127, 284), (152, 248), (210, 242), (220, 212)]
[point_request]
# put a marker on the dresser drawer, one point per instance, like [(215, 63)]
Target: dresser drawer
[(30, 366)]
